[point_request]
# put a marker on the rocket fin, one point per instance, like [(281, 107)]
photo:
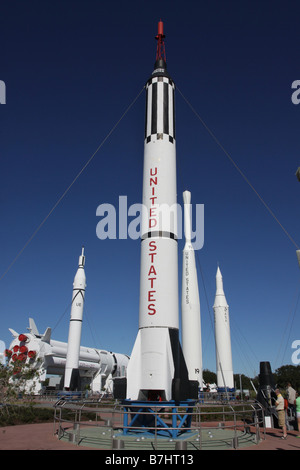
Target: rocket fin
[(151, 367), (46, 336), (13, 332), (157, 367), (32, 327)]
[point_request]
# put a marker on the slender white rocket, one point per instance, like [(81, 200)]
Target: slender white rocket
[(72, 361), (222, 336), (190, 302)]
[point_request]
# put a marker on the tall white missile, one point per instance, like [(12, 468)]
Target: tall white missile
[(190, 301), (72, 377), (222, 336), (157, 368)]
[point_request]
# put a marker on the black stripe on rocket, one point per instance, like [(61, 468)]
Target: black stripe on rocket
[(160, 111)]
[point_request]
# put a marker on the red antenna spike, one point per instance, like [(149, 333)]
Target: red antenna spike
[(160, 51)]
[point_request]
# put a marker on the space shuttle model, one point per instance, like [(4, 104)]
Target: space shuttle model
[(157, 367)]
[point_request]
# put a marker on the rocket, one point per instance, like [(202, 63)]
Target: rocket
[(190, 302), (157, 369), (72, 377), (222, 336), (98, 368)]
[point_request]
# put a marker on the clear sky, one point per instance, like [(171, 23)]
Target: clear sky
[(71, 69)]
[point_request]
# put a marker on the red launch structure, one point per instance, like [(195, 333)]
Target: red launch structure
[(160, 51)]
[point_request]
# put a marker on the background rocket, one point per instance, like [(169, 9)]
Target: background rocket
[(190, 302), (222, 336), (72, 377)]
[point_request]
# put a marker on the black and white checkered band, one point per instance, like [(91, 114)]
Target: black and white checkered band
[(159, 234), (160, 109)]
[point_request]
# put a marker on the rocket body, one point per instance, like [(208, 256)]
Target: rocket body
[(151, 366), (190, 302), (156, 367), (72, 378), (222, 336), (158, 277)]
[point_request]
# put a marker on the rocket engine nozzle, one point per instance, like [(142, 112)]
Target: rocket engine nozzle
[(23, 338)]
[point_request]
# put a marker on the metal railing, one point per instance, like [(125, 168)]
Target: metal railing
[(73, 420)]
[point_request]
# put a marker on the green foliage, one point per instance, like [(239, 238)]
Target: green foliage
[(288, 373), (209, 377), (16, 380), (13, 414), (246, 381)]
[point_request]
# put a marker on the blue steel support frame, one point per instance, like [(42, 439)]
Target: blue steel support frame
[(181, 421)]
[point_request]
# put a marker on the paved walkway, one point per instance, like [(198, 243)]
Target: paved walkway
[(40, 437), (33, 437), (273, 441)]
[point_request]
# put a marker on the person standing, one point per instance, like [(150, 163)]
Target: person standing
[(281, 412), (291, 398), (297, 404)]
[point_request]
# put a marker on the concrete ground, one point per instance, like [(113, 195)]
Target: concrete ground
[(41, 437)]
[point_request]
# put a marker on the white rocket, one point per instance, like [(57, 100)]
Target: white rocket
[(190, 301), (72, 377), (222, 336), (157, 368)]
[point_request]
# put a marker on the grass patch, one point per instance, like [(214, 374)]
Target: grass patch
[(11, 415)]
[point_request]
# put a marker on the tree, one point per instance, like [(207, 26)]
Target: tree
[(209, 377), (17, 379), (246, 381), (288, 373)]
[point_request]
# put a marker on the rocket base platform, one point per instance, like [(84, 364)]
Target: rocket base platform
[(161, 418)]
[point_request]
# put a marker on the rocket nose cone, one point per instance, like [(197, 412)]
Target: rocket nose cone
[(219, 283), (160, 64), (186, 197)]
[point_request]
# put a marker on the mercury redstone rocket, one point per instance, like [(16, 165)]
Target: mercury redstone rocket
[(190, 301), (222, 336), (72, 377), (157, 370)]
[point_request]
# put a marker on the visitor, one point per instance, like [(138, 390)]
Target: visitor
[(297, 404), (281, 413), (291, 399)]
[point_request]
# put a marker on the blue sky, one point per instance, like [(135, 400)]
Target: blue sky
[(71, 69)]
